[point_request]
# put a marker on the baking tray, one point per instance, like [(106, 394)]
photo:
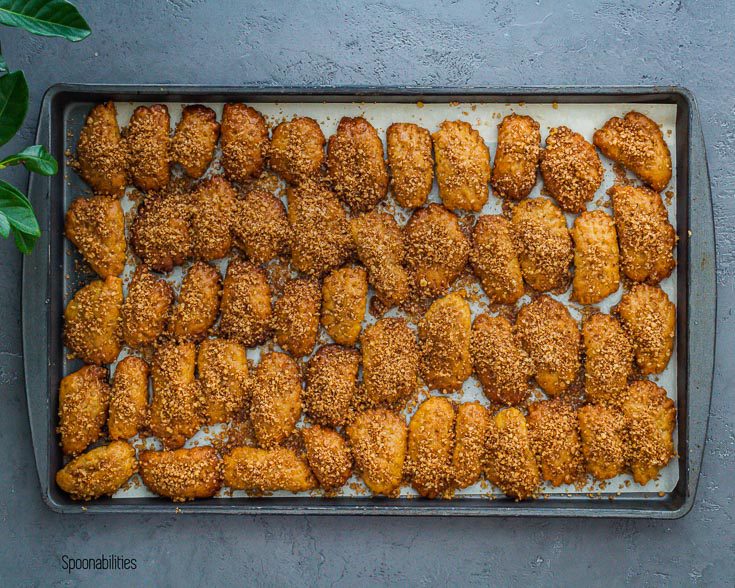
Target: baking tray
[(44, 292)]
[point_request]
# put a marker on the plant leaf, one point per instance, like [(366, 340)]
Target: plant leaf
[(23, 242), (18, 210), (4, 226), (3, 63), (35, 158), (13, 104), (50, 18)]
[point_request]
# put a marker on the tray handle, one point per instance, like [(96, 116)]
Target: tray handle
[(702, 302), (34, 312)]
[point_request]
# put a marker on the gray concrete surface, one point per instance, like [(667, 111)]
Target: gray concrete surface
[(422, 43)]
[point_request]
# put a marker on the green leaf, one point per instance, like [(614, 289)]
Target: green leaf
[(4, 226), (35, 158), (50, 18), (23, 242), (18, 210), (3, 65), (13, 104)]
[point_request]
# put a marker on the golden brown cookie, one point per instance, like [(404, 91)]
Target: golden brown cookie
[(246, 304), (495, 260), (92, 321), (501, 364), (275, 406), (571, 169), (331, 384), (195, 139), (260, 226), (511, 464), (147, 136), (160, 233), (198, 304), (245, 142), (320, 231), (649, 319), (213, 211), (344, 298), (646, 236), (96, 226), (378, 442), (297, 149), (462, 166), (608, 360), (146, 308), (551, 338), (184, 474), (267, 470), (517, 157), (177, 409), (470, 433), (431, 447), (328, 456), (379, 243), (356, 164), (129, 399), (411, 164), (223, 374), (650, 418), (596, 257), (84, 397), (602, 431), (436, 249), (390, 361), (544, 244), (554, 432), (638, 143), (444, 338), (102, 153), (102, 471), (296, 316)]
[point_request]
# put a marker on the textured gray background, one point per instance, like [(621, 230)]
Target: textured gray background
[(415, 43)]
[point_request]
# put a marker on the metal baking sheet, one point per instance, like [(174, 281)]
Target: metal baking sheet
[(583, 111)]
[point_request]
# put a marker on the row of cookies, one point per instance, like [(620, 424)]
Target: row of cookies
[(355, 159), (205, 223), (445, 447), (544, 343), (533, 247)]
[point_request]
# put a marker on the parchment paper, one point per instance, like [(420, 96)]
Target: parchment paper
[(583, 118)]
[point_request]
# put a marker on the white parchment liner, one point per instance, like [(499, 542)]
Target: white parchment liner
[(583, 118)]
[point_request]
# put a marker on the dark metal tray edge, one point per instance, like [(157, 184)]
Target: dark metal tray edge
[(700, 327)]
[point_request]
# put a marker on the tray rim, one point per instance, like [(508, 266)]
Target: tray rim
[(699, 339)]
